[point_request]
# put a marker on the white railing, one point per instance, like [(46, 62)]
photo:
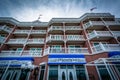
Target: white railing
[(53, 50), (6, 28), (17, 41), (67, 50), (116, 33), (38, 32), (99, 33), (93, 23), (105, 47), (32, 53), (77, 50), (65, 28), (2, 39), (21, 31), (75, 37), (10, 53), (55, 37), (56, 28), (88, 24), (35, 41), (73, 28), (112, 23)]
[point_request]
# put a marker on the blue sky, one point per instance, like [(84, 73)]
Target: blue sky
[(29, 10)]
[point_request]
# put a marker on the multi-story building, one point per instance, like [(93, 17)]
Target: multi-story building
[(85, 48)]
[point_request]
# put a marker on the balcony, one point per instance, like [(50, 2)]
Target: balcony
[(55, 28), (55, 38), (10, 53), (116, 33), (112, 23), (73, 28), (61, 28), (35, 41), (2, 39), (21, 31), (26, 53), (17, 41), (99, 34), (32, 53), (105, 48), (38, 32), (75, 38), (5, 28), (93, 23), (67, 50)]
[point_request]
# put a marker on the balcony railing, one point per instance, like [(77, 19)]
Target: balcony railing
[(99, 34), (116, 33), (6, 28), (55, 38), (99, 23), (93, 23), (75, 37), (112, 23), (77, 50), (32, 53), (17, 41), (65, 28), (55, 28), (21, 31), (105, 48), (38, 32), (9, 53), (2, 39), (73, 28), (67, 50), (35, 41)]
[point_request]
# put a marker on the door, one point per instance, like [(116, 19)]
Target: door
[(66, 73)]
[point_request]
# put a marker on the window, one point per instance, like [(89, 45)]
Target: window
[(56, 46), (103, 73), (53, 72), (80, 71), (73, 46), (74, 49), (42, 72)]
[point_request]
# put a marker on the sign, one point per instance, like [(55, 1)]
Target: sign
[(66, 59), (114, 54)]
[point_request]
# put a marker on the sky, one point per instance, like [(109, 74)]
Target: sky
[(29, 10)]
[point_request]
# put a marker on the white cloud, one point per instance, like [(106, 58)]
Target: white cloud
[(56, 8)]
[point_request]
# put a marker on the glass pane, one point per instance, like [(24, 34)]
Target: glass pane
[(104, 73), (24, 74), (19, 49), (42, 75), (53, 67), (63, 66), (53, 74), (80, 71), (70, 66), (63, 76), (70, 76), (80, 75), (95, 44)]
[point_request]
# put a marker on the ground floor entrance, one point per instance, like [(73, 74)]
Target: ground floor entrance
[(66, 72)]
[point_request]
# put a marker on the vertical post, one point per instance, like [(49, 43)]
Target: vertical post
[(6, 70), (87, 76)]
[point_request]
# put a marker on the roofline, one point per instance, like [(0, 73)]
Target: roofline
[(54, 20)]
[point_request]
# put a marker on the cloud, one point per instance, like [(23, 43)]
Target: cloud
[(29, 10)]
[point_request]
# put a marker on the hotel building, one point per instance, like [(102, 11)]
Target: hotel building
[(84, 48)]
